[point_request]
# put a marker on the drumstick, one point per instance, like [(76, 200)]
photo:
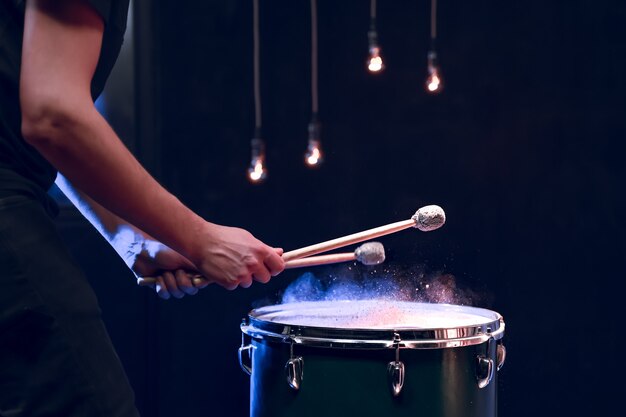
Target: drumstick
[(197, 280), (370, 253), (425, 219)]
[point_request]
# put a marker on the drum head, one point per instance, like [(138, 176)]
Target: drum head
[(375, 314), (374, 323)]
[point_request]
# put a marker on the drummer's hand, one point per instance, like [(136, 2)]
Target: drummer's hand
[(232, 257), (175, 283), (169, 272)]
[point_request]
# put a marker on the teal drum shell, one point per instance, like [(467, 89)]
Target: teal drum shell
[(372, 358)]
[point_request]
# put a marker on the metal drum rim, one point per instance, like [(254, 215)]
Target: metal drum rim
[(426, 338)]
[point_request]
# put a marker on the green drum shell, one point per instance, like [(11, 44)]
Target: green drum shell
[(340, 377)]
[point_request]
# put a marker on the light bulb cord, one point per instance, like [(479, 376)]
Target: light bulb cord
[(256, 58), (372, 36), (314, 97), (373, 15), (433, 23)]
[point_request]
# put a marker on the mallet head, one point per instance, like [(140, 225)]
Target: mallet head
[(429, 218), (370, 253)]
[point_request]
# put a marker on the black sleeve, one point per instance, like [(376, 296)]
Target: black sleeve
[(103, 7)]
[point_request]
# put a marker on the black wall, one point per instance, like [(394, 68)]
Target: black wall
[(523, 149)]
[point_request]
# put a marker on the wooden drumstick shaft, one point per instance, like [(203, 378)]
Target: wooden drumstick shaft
[(348, 240), (332, 258), (148, 281), (425, 219)]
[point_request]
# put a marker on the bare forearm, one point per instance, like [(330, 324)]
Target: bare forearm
[(87, 151), (61, 48), (126, 239)]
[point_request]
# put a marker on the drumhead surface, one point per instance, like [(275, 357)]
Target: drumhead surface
[(375, 314)]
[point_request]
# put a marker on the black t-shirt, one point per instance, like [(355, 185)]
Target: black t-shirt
[(22, 168)]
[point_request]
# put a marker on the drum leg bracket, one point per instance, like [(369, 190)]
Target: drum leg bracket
[(395, 369), (245, 354), (485, 368), (294, 369)]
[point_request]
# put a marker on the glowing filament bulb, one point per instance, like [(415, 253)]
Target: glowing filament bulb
[(433, 81), (313, 154), (257, 172), (375, 61)]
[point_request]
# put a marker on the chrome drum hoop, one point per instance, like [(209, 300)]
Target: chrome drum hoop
[(349, 338)]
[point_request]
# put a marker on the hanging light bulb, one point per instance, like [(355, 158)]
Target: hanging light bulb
[(433, 81), (256, 171), (313, 155), (374, 60)]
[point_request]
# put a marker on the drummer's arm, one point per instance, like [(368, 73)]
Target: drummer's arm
[(131, 243), (60, 52), (61, 49), (143, 254)]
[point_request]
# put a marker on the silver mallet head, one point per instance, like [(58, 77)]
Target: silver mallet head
[(429, 218), (370, 253)]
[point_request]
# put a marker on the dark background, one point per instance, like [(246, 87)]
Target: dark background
[(523, 149)]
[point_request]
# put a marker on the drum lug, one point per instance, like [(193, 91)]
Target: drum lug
[(245, 351), (246, 365), (500, 355), (395, 369), (294, 368), (484, 367), (294, 372)]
